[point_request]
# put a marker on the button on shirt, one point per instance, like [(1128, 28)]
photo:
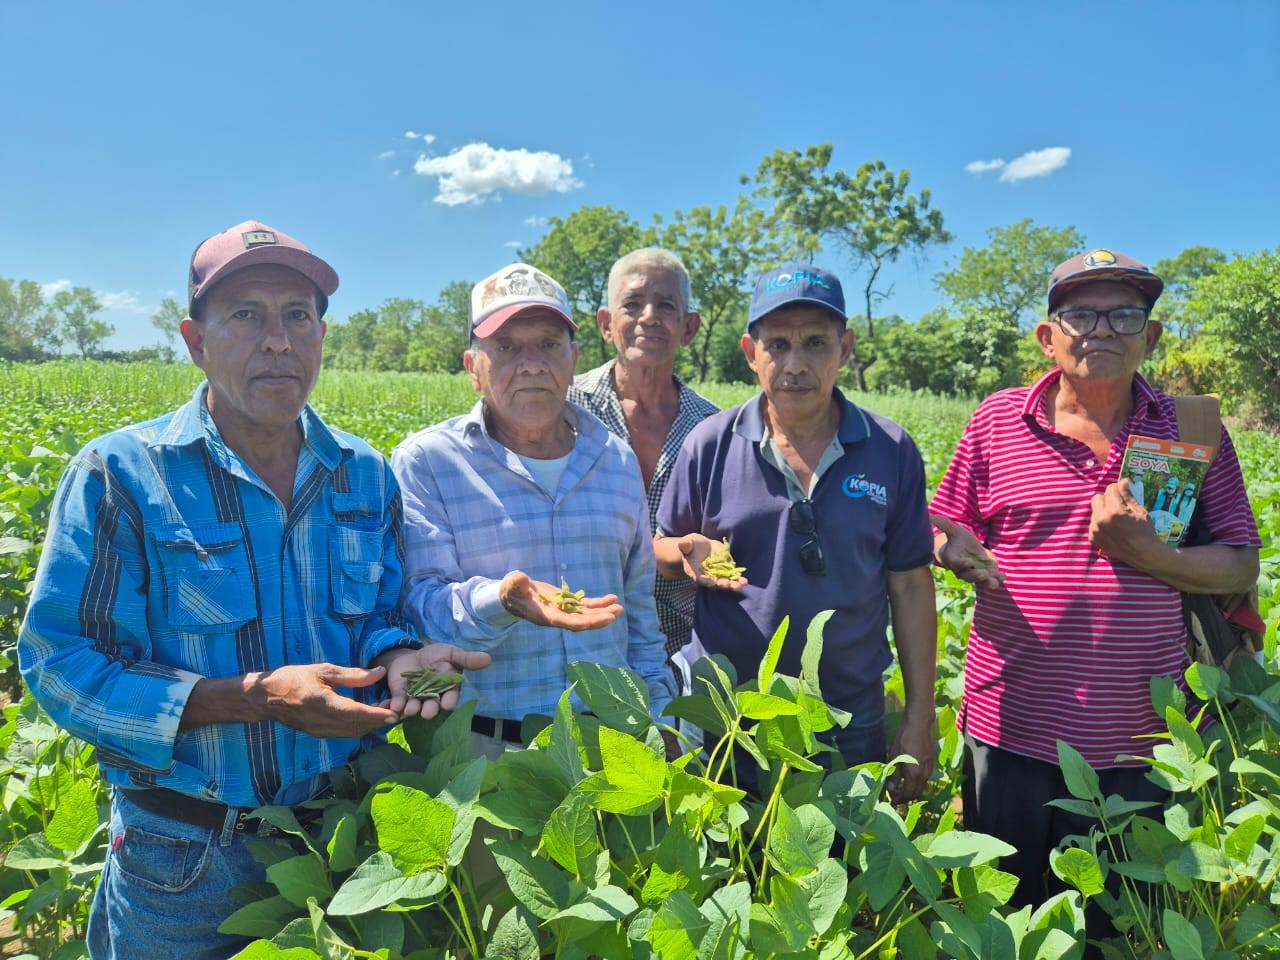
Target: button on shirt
[(473, 514), (169, 560), (594, 390)]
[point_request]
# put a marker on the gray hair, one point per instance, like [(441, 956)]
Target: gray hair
[(650, 258)]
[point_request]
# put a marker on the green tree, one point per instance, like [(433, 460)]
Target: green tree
[(1182, 362), (1006, 280), (28, 329), (578, 252), (78, 322), (869, 214), (444, 331), (349, 344), (1240, 302), (723, 251), (375, 339), (916, 356), (168, 320), (1180, 275)]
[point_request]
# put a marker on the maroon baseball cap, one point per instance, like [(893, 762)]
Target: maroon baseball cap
[(249, 244), (1102, 265)]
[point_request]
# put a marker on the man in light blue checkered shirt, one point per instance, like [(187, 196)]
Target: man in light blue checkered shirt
[(506, 503), (215, 607)]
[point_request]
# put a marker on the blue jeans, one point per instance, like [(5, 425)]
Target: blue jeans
[(166, 887)]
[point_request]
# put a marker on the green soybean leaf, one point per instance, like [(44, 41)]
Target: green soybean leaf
[(769, 662), (570, 836), (414, 828), (677, 928), (301, 878), (964, 848), (801, 838), (259, 918), (1081, 778), (1181, 937), (1080, 869), (75, 819), (618, 697), (515, 937), (826, 888), (764, 706), (541, 887), (379, 883), (811, 655)]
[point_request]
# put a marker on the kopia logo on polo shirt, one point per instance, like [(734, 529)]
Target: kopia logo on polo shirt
[(857, 486)]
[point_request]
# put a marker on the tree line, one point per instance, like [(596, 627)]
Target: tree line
[(1219, 310)]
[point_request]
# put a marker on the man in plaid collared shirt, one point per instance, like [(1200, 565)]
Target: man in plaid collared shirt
[(640, 398), (215, 608)]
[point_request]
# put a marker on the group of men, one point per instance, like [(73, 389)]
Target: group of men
[(230, 596)]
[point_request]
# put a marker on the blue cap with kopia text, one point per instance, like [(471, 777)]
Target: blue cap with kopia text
[(796, 283)]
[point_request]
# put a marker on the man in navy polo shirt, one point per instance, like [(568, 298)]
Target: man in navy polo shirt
[(823, 503)]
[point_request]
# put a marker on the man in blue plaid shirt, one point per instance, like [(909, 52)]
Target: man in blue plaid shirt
[(215, 607)]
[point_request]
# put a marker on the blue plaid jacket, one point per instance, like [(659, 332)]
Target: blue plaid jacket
[(168, 560)]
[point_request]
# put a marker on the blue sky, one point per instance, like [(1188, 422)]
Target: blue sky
[(414, 144)]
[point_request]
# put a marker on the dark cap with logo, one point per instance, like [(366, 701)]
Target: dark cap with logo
[(1102, 265), (247, 245), (797, 283)]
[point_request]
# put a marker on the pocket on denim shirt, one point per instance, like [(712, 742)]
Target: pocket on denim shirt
[(205, 571), (355, 570)]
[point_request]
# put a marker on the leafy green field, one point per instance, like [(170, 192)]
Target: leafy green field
[(610, 851)]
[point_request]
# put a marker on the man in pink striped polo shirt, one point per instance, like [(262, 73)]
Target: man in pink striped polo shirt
[(1078, 602)]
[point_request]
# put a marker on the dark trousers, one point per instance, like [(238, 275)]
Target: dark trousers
[(1006, 795)]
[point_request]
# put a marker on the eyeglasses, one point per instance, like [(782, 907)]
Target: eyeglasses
[(805, 523), (1125, 321)]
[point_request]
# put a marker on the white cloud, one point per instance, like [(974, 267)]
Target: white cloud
[(386, 154), (52, 289), (126, 301), (472, 173), (535, 221), (411, 135), (513, 244), (428, 138), (982, 166), (1035, 163), (424, 137)]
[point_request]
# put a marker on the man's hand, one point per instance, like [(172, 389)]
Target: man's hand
[(694, 549), (522, 596), (434, 657), (304, 697), (915, 738), (1122, 529), (964, 555)]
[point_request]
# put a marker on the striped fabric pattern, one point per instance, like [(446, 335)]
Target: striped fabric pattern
[(168, 560), (1067, 648)]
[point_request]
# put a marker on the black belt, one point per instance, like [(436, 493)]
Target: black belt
[(209, 814), (508, 730)]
